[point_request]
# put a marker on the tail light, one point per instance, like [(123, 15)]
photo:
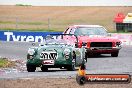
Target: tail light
[(88, 44)]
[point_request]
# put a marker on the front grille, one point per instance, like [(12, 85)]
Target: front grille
[(48, 55), (101, 44)]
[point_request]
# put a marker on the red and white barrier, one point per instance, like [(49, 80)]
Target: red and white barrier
[(126, 39)]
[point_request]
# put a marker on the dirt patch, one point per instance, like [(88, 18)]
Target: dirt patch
[(55, 83)]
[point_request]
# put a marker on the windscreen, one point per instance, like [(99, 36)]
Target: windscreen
[(82, 31)]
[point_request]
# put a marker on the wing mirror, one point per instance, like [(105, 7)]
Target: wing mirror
[(84, 43), (109, 34), (33, 44), (76, 45)]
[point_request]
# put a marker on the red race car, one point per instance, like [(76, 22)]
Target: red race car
[(95, 39)]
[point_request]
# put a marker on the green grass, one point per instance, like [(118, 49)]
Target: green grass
[(6, 22), (43, 26), (4, 62), (34, 30), (120, 31), (22, 5), (32, 23), (24, 23)]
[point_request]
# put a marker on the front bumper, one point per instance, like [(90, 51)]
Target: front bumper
[(103, 50), (57, 63)]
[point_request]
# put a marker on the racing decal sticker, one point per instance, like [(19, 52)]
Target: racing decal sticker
[(48, 62)]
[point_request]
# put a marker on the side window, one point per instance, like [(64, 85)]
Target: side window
[(66, 31), (69, 31), (72, 31)]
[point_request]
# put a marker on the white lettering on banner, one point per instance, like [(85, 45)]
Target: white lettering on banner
[(8, 34), (25, 38), (37, 38), (30, 39), (15, 38), (22, 38)]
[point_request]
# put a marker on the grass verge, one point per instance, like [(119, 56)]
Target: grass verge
[(4, 63), (34, 30)]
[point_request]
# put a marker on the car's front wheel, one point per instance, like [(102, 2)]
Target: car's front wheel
[(71, 67), (115, 54), (44, 69), (31, 68)]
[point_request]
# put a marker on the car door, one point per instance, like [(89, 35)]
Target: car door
[(79, 56)]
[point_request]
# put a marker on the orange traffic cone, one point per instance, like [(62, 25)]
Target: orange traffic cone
[(80, 78), (81, 71)]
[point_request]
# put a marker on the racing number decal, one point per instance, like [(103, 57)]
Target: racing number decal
[(44, 55), (48, 55)]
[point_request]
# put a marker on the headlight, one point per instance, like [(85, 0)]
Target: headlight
[(31, 51), (66, 53), (84, 43), (118, 43)]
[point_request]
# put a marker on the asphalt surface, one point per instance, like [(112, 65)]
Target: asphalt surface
[(96, 65)]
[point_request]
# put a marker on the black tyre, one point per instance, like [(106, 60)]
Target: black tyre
[(89, 55), (71, 67), (31, 68), (115, 54), (81, 80), (85, 57), (44, 69), (97, 54)]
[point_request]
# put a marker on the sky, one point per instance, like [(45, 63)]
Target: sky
[(68, 2)]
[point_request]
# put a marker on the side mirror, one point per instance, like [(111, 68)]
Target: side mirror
[(41, 45), (49, 37), (76, 45), (109, 34), (84, 43), (33, 44)]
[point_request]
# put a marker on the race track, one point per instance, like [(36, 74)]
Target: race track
[(101, 64)]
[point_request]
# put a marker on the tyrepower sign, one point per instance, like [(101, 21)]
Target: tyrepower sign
[(24, 36)]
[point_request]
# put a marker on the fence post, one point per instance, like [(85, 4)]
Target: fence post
[(16, 22), (49, 24)]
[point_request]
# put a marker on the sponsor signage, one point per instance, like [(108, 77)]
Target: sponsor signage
[(126, 39), (24, 36), (103, 78), (83, 78)]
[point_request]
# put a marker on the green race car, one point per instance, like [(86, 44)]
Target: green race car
[(56, 52)]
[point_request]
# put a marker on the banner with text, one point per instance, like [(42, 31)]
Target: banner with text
[(126, 39), (24, 36)]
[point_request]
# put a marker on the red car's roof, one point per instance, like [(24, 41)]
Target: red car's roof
[(85, 26)]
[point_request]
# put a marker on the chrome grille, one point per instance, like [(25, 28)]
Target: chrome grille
[(101, 44)]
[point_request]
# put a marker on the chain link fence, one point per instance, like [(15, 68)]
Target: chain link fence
[(50, 24)]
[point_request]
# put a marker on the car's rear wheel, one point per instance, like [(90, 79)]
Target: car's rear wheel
[(115, 54), (89, 55), (80, 80), (31, 68), (71, 67), (44, 69)]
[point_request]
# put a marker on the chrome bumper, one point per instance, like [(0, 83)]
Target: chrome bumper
[(104, 48)]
